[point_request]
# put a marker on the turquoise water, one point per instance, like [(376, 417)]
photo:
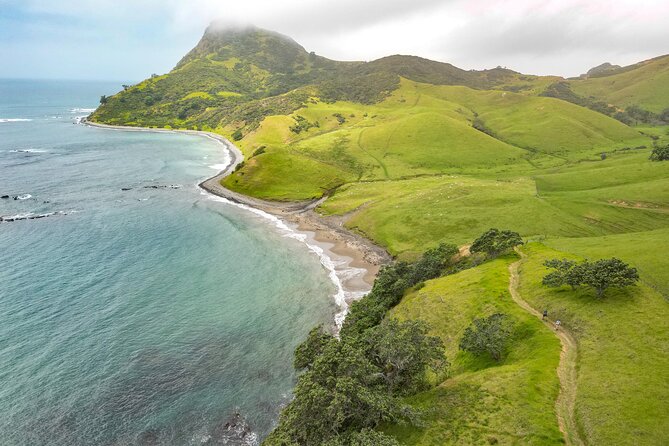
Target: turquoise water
[(144, 316)]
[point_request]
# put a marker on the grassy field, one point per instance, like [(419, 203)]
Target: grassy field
[(624, 193), (484, 402), (623, 342)]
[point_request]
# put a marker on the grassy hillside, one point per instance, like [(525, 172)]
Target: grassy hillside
[(422, 129), (484, 402), (645, 84), (623, 362)]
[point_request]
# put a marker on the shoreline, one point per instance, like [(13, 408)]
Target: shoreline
[(352, 260)]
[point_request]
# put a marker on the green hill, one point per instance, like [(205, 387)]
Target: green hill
[(645, 84), (411, 153)]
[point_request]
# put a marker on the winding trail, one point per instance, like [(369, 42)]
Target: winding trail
[(566, 370)]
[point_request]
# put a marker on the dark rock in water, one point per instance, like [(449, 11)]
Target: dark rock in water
[(234, 431), (163, 186), (150, 437), (5, 197), (126, 188)]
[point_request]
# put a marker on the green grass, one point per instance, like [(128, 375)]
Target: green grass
[(645, 250), (424, 129), (623, 357), (647, 85), (484, 402), (410, 215)]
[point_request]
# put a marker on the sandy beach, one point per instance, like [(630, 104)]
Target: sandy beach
[(356, 259)]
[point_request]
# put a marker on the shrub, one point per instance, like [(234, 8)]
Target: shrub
[(660, 153), (340, 118), (237, 135), (487, 335), (259, 151)]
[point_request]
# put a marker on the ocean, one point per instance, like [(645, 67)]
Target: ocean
[(134, 307)]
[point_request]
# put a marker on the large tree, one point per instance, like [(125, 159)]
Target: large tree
[(609, 273), (402, 352)]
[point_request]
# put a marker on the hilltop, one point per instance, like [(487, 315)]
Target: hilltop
[(412, 153)]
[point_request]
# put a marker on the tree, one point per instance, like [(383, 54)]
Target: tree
[(609, 273), (307, 352), (567, 272), (103, 99), (495, 242), (338, 395), (237, 135), (660, 153), (433, 262), (489, 334), (403, 352), (599, 275)]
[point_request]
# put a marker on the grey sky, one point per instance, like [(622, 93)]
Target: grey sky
[(128, 40)]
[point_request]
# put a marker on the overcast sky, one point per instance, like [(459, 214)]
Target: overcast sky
[(129, 40)]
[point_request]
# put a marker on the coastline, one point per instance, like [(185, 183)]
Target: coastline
[(352, 260)]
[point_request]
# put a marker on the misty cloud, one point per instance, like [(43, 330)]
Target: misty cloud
[(131, 39)]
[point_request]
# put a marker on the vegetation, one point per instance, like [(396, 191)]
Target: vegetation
[(354, 383), (622, 343), (495, 242), (483, 401), (599, 275), (660, 154), (487, 335), (412, 152)]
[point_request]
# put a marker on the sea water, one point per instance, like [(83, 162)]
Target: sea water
[(137, 309)]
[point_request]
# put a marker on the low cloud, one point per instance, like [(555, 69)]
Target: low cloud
[(564, 37)]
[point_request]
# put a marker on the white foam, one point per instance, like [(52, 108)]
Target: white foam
[(23, 197), (14, 120), (27, 151), (337, 276), (341, 297), (82, 110)]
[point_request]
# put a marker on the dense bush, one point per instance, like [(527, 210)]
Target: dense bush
[(351, 384), (660, 153), (495, 242), (390, 284), (632, 115)]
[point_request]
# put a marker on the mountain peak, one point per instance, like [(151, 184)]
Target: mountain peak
[(264, 48)]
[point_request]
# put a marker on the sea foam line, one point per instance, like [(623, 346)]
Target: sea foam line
[(326, 261), (15, 119)]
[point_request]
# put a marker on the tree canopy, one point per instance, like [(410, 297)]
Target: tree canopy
[(660, 153), (599, 275), (351, 384), (495, 242), (487, 335)]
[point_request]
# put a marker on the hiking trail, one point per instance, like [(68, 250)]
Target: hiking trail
[(566, 370)]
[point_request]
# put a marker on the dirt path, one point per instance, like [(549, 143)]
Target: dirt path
[(566, 369)]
